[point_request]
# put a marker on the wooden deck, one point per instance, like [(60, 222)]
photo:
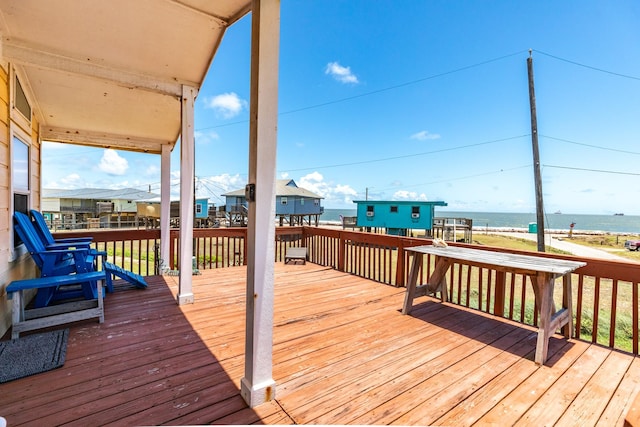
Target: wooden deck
[(343, 354)]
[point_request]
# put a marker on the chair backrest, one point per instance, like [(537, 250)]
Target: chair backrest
[(40, 226), (30, 238)]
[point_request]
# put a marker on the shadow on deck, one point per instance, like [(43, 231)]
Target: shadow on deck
[(343, 354)]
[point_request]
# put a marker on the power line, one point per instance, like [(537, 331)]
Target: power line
[(592, 170), (461, 178), (384, 159), (601, 70), (373, 92), (591, 146)]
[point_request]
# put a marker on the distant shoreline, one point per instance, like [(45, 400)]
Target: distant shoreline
[(484, 229), (587, 224)]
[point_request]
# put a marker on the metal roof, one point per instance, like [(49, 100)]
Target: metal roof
[(284, 187), (98, 193), (110, 73)]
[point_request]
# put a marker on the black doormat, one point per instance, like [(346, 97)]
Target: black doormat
[(32, 354)]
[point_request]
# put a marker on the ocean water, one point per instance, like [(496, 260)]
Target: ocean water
[(588, 223)]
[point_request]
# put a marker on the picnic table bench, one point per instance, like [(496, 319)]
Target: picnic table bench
[(37, 318), (543, 272)]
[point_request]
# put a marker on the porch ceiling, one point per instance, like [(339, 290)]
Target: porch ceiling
[(110, 74)]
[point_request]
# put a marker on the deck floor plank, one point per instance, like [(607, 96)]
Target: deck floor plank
[(434, 378), (481, 401), (590, 403), (399, 365), (554, 402), (621, 401), (343, 354)]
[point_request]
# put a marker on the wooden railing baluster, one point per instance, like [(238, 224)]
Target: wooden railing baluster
[(606, 289)]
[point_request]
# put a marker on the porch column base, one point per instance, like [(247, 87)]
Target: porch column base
[(185, 299), (259, 393)]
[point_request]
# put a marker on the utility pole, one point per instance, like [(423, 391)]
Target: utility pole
[(536, 156)]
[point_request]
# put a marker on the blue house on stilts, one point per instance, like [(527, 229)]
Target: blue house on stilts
[(397, 217)]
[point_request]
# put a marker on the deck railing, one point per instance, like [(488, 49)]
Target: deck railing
[(605, 293)]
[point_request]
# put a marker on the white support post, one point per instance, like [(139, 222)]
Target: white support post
[(258, 386), (187, 173), (165, 205)]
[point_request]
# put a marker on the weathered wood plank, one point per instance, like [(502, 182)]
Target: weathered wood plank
[(527, 392), (343, 354), (622, 402), (590, 403), (470, 410), (555, 401)]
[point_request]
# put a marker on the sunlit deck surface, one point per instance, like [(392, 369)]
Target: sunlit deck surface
[(343, 354)]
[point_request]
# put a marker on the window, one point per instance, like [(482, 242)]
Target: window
[(21, 103), (394, 209), (19, 179), (415, 209), (370, 210), (20, 165), (198, 208), (302, 201), (316, 202), (283, 200)]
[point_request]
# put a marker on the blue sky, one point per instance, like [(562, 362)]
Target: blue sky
[(420, 100)]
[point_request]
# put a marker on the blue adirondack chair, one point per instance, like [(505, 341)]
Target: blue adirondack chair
[(55, 260), (41, 228)]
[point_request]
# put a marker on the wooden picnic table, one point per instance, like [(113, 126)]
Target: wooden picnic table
[(542, 271)]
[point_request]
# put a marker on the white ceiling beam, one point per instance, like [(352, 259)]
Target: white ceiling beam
[(102, 140), (26, 54)]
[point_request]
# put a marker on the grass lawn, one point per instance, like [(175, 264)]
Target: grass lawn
[(510, 242), (608, 242), (623, 323)]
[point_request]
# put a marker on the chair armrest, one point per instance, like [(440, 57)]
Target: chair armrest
[(78, 240), (66, 246)]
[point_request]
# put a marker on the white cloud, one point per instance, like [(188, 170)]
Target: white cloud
[(72, 179), (210, 186), (345, 193), (340, 73), (226, 182), (409, 195), (111, 163), (152, 170), (284, 175), (67, 182), (205, 138), (332, 193), (424, 135), (226, 105)]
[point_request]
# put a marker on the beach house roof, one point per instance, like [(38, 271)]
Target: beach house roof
[(284, 187), (111, 73), (98, 194)]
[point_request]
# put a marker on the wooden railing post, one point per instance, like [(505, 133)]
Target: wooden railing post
[(172, 251), (400, 264), (498, 302), (342, 252), (245, 247), (372, 256), (305, 243)]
